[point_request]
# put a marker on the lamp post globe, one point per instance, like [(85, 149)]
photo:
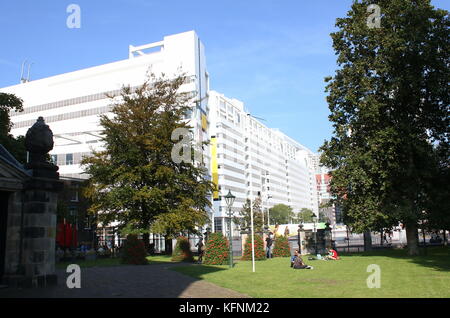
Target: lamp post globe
[(229, 200)]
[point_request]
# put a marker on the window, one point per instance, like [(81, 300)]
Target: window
[(87, 223), (217, 224), (69, 159), (74, 196), (54, 159)]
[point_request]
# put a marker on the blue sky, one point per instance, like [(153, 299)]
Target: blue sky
[(272, 55)]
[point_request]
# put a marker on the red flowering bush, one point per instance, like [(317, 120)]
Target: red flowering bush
[(217, 250), (260, 254), (182, 251), (281, 248), (134, 251)]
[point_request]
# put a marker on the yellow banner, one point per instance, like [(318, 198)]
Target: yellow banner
[(204, 123), (214, 167)]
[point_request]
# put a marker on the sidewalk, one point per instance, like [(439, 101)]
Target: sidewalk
[(134, 281)]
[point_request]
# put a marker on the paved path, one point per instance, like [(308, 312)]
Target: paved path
[(154, 281)]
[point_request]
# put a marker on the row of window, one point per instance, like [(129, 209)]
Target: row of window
[(68, 159), (66, 116)]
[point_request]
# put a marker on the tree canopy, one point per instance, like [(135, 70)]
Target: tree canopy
[(243, 220), (15, 146), (134, 180), (389, 103), (306, 215), (281, 214)]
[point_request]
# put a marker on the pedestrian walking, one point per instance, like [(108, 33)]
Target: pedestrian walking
[(269, 242)]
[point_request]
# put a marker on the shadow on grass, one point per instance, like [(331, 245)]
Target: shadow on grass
[(437, 258), (116, 261), (198, 271)]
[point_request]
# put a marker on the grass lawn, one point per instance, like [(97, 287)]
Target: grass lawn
[(401, 276), (101, 262)]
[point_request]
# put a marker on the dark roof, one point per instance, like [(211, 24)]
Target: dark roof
[(5, 155)]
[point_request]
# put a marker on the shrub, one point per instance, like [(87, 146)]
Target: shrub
[(217, 250), (281, 248), (259, 249), (182, 252), (134, 251)]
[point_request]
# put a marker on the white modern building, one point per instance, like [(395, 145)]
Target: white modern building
[(72, 102), (253, 160), (244, 155)]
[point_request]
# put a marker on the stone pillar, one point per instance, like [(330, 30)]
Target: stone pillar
[(303, 249), (39, 230), (32, 231), (12, 248)]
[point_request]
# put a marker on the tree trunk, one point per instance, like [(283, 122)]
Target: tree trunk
[(367, 241), (146, 239), (412, 239), (168, 243)]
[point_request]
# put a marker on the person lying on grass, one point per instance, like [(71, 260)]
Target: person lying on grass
[(332, 255), (297, 262)]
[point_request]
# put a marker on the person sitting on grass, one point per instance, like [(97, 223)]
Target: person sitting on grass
[(332, 255), (297, 262)]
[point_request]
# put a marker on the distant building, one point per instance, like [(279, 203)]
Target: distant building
[(72, 209), (332, 213), (251, 160), (72, 102), (243, 156)]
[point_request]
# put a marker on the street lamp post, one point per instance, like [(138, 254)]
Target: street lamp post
[(229, 200), (300, 228), (315, 233), (268, 210)]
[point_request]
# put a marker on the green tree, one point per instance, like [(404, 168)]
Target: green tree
[(216, 250), (281, 214), (134, 180), (306, 215), (281, 248), (244, 218), (260, 254), (182, 252), (389, 103), (133, 251), (15, 146)]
